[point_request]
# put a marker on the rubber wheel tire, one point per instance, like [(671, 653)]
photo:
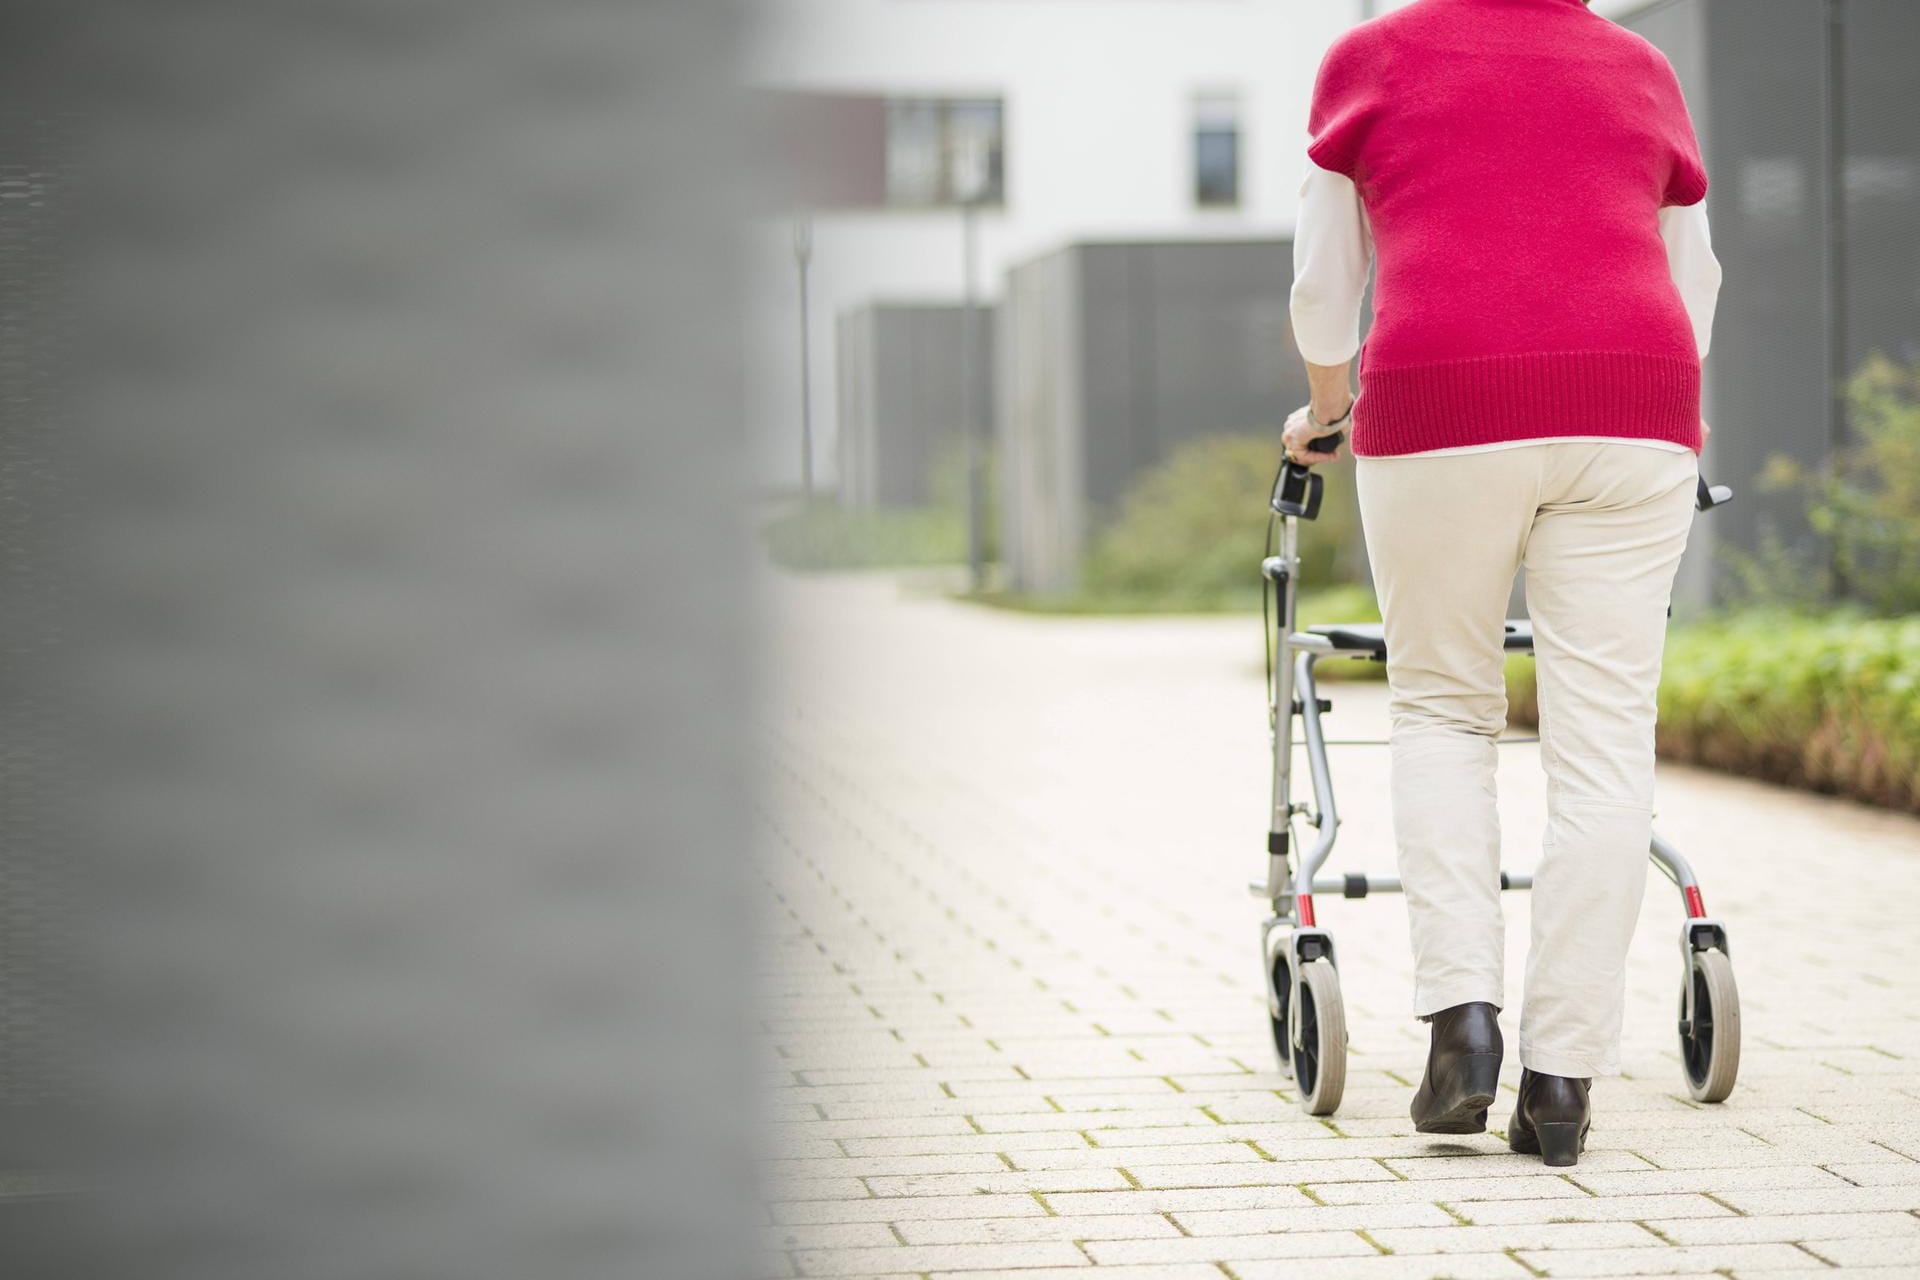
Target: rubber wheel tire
[(1710, 1049), (1283, 988), (1320, 1065)]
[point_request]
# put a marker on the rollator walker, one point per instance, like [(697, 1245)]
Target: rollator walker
[(1303, 982)]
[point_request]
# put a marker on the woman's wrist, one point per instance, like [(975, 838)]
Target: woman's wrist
[(1330, 416)]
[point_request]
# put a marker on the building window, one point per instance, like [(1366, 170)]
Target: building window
[(1216, 150), (941, 151)]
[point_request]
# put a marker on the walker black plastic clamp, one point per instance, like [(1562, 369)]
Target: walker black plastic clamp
[(1277, 843), (1356, 885), (1297, 489)]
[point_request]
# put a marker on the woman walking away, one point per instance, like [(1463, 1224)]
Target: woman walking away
[(1525, 176)]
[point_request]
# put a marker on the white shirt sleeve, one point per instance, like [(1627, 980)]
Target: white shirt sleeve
[(1332, 256), (1696, 272)]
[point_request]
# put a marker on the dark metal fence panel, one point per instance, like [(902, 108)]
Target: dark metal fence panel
[(1881, 126), (1767, 371), (1814, 154)]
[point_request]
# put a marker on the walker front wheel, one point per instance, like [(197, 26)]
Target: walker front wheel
[(1320, 1053), (1710, 1041)]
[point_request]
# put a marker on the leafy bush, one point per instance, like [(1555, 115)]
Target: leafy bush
[(1189, 533), (1831, 704), (1863, 504)]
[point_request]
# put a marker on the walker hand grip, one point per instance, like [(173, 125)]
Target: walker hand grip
[(1709, 496), (1297, 489)]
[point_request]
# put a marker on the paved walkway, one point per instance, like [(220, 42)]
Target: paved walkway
[(1013, 1009)]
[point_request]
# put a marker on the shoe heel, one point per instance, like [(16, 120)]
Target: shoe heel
[(1479, 1079), (1559, 1143)]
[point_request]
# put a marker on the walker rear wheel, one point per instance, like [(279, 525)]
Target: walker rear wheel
[(1283, 993), (1710, 1043), (1320, 1060)]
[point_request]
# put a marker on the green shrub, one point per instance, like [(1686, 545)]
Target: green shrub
[(1188, 535), (1831, 704), (1863, 505)]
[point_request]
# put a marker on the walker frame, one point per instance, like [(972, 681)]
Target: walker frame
[(1308, 1024)]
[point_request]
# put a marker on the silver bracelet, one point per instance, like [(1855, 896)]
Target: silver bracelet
[(1337, 421)]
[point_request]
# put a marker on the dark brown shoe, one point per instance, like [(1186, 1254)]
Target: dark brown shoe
[(1463, 1070), (1551, 1118)]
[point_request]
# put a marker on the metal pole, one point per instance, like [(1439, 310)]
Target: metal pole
[(976, 460), (1834, 216), (802, 256)]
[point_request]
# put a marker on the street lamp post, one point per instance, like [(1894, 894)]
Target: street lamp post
[(970, 183), (802, 256)]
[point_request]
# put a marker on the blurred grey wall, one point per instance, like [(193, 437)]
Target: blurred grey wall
[(901, 410), (1762, 82), (1113, 354), (406, 653)]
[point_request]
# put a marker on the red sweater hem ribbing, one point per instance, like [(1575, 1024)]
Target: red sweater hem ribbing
[(1494, 399)]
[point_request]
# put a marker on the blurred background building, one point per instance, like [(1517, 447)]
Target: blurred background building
[(1805, 111), (1112, 355), (899, 398), (1162, 120)]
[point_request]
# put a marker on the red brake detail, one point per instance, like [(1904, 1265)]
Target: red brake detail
[(1305, 904), (1695, 908)]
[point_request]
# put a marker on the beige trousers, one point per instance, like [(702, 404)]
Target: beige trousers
[(1600, 528)]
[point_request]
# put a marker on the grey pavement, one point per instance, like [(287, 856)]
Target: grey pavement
[(1012, 999)]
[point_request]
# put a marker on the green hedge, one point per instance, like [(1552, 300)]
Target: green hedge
[(1830, 703)]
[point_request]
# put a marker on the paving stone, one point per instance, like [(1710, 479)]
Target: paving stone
[(1837, 1198), (1452, 1266), (1292, 1244), (849, 1262), (893, 1209), (840, 1166), (1542, 1186), (1501, 1163), (831, 1235), (1179, 1200), (1860, 1250), (1258, 1173), (1186, 1271), (1741, 1258), (1809, 1227), (961, 1184), (1236, 1222), (1460, 1238), (1117, 1226), (1585, 1208), (1222, 1154)]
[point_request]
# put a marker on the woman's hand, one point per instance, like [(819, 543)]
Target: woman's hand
[(1705, 431), (1300, 429)]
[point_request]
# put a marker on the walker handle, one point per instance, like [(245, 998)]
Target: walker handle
[(1709, 496), (1297, 489)]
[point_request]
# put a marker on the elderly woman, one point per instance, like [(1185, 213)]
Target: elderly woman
[(1527, 176)]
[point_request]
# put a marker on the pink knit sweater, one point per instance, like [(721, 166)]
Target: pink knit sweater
[(1513, 157)]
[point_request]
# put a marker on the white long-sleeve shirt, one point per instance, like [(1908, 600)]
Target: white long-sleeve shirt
[(1333, 256)]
